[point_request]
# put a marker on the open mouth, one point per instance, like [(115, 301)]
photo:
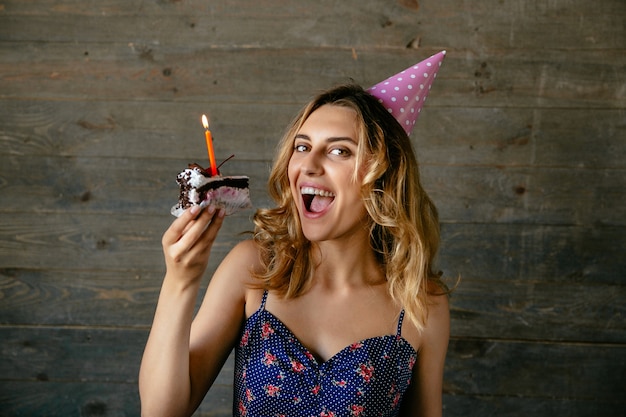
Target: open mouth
[(316, 200)]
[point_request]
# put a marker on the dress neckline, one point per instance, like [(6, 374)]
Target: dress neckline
[(314, 358)]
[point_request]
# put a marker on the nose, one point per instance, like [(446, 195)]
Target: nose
[(311, 163)]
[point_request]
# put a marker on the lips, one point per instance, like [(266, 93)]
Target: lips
[(316, 200)]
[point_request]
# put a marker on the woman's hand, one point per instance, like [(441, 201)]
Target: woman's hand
[(187, 243)]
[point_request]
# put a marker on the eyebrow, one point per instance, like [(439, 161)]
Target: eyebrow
[(329, 139)]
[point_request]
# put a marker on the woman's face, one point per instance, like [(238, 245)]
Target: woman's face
[(321, 175)]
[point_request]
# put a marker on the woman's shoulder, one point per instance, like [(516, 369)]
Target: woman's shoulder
[(437, 327), (246, 247), (246, 257), (436, 321), (237, 269), (245, 254)]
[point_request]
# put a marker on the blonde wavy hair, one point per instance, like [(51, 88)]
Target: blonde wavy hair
[(404, 226)]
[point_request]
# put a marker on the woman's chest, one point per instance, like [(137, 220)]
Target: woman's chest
[(325, 325), (274, 366)]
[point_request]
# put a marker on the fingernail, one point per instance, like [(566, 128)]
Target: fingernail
[(194, 209), (211, 209)]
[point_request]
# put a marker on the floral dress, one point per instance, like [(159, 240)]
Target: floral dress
[(275, 375)]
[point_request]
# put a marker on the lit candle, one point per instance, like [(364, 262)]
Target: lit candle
[(209, 144)]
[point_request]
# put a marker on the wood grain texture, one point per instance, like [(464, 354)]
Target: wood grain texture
[(522, 146), (571, 24), (525, 78), (458, 406), (511, 368)]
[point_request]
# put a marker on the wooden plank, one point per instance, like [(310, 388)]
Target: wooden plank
[(268, 9), (462, 193), (497, 368), (117, 243), (72, 354), (229, 24), (78, 354), (533, 253), (527, 195), (83, 298), (528, 78), (578, 312), (95, 242), (581, 138), (585, 138), (542, 311), (511, 26), (514, 406), (94, 370), (71, 399), (79, 298), (488, 25), (563, 138), (92, 399), (128, 129)]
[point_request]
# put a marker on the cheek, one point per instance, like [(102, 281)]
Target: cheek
[(353, 194), (292, 171)]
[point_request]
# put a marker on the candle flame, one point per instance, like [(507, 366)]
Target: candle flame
[(205, 121)]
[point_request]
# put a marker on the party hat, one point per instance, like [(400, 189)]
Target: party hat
[(403, 94)]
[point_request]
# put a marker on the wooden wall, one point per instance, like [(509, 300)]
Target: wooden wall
[(522, 146)]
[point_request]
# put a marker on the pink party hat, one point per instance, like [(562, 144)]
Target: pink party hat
[(403, 94)]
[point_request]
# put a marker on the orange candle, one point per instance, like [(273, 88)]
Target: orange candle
[(209, 144)]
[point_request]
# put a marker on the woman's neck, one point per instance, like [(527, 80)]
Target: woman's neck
[(346, 264)]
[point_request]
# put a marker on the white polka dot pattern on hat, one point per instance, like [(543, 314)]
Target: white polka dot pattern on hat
[(399, 95)]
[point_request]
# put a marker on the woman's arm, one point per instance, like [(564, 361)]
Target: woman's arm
[(216, 328), (165, 385), (424, 397)]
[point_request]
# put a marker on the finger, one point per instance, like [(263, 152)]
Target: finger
[(180, 225), (197, 228), (210, 234)]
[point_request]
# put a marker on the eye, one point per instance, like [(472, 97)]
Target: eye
[(300, 147), (340, 151)]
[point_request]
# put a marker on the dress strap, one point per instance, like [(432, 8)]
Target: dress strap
[(400, 319), (262, 307)]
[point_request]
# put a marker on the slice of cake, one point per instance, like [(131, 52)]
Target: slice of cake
[(199, 188)]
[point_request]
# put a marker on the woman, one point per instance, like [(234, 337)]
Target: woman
[(334, 307)]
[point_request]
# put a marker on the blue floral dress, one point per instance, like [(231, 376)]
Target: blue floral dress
[(275, 375)]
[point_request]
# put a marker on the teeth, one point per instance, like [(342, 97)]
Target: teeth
[(316, 191)]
